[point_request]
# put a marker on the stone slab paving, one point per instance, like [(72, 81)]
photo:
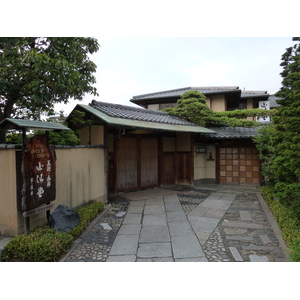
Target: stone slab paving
[(154, 250), (181, 250), (245, 233), (165, 234), (205, 217), (155, 234), (193, 225)]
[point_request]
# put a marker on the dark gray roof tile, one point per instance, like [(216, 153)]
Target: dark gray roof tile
[(179, 92), (254, 94), (273, 101), (232, 132), (141, 114)]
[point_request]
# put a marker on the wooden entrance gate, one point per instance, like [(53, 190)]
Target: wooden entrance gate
[(177, 168), (136, 163)]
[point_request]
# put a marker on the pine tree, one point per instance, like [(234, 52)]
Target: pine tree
[(279, 145), (192, 107), (286, 165)]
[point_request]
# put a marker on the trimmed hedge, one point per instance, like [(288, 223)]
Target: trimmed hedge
[(287, 221), (44, 244), (87, 214)]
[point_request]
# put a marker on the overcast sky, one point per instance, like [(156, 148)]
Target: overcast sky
[(130, 66), (157, 45)]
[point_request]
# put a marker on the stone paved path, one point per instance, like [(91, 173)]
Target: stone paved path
[(244, 234), (191, 225)]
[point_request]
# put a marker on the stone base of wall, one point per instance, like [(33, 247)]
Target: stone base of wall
[(199, 182), (6, 230), (98, 199)]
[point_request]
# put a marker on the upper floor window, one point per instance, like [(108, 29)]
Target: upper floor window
[(166, 105), (240, 104)]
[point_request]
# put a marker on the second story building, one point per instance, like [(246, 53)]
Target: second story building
[(219, 98), (229, 155)]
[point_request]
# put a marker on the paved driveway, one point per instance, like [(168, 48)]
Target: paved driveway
[(206, 224)]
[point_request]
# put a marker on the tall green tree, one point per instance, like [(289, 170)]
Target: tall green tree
[(38, 72), (281, 143), (192, 107)]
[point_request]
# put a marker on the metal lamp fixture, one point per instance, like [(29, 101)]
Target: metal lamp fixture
[(201, 149)]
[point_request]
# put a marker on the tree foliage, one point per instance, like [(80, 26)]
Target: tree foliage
[(63, 137), (192, 107), (266, 142), (280, 144), (36, 73), (77, 120)]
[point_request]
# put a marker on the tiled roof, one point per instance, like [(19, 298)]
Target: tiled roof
[(115, 115), (254, 94), (232, 132), (273, 101), (10, 123), (179, 92), (140, 114)]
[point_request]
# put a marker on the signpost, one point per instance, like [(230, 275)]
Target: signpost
[(38, 167), (38, 172)]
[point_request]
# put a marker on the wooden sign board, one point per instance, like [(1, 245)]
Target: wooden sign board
[(38, 171)]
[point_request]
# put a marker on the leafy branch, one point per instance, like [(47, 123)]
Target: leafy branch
[(192, 107)]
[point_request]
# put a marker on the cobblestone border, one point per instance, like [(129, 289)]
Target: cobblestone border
[(189, 198), (95, 243), (244, 234)]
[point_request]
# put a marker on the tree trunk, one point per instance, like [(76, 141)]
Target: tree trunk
[(2, 131), (2, 136), (8, 108)]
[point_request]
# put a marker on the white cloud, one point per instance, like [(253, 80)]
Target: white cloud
[(210, 73)]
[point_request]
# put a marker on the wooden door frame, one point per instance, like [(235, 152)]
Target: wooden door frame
[(139, 162), (160, 161), (176, 155), (217, 169)]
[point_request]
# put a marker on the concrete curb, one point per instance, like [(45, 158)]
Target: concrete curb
[(3, 242), (274, 225)]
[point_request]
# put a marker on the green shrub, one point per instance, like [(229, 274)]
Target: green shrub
[(295, 251), (87, 214), (44, 244), (287, 220), (64, 137)]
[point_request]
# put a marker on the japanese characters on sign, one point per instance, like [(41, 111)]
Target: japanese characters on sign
[(266, 106), (38, 210), (38, 170)]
